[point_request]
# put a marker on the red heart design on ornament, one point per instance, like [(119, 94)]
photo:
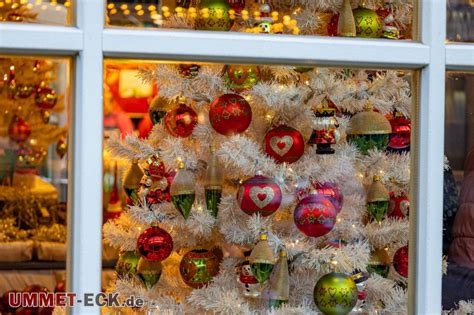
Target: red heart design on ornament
[(281, 145), (262, 196)]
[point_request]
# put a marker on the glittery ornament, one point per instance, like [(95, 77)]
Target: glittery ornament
[(24, 90), (189, 71), (182, 191), (399, 206), (19, 130), (369, 130), (158, 108), (315, 216), (155, 244), (368, 23), (127, 264), (335, 294), (180, 122), (259, 194), (400, 261), (241, 77), (45, 98), (198, 267), (379, 262), (279, 282), (213, 16), (331, 191), (284, 144), (213, 185), (346, 23), (131, 181), (377, 200), (333, 25), (325, 131), (149, 272), (262, 260), (230, 114), (401, 133), (61, 148)]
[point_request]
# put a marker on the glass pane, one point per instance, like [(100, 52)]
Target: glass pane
[(458, 213), (34, 118), (264, 182), (53, 12), (393, 19), (460, 19)]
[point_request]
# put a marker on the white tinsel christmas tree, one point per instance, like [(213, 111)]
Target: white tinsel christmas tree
[(357, 245)]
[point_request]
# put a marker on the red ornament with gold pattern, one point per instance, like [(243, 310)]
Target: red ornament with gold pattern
[(284, 144), (399, 206), (401, 134), (325, 130), (259, 194), (155, 244), (180, 122), (198, 267), (241, 77), (230, 114), (315, 216), (400, 261), (327, 189), (19, 130), (45, 98)]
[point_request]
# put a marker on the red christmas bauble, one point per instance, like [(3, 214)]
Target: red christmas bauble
[(284, 144), (330, 190), (155, 244), (230, 114), (399, 206), (401, 133), (156, 168), (400, 261), (180, 122), (259, 194), (315, 216), (198, 267), (237, 5), (19, 130), (333, 25), (45, 98)]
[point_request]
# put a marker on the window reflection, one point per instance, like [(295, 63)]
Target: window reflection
[(55, 12)]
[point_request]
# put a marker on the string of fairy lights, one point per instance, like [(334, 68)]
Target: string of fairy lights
[(34, 4)]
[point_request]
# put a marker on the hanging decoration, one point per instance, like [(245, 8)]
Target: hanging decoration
[(183, 191), (400, 261), (335, 294), (213, 184), (158, 108), (262, 260), (230, 114), (360, 278), (390, 29), (198, 267), (189, 70), (213, 16), (284, 144), (246, 277), (149, 272), (45, 98), (346, 23), (369, 130), (259, 194), (131, 182), (19, 130), (180, 122), (279, 282), (155, 244), (127, 264), (61, 148), (399, 206), (401, 133), (325, 130), (379, 262), (377, 200), (368, 23), (315, 215), (241, 78), (114, 206), (24, 90)]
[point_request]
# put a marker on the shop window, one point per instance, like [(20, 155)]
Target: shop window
[(460, 20), (268, 183), (368, 19), (34, 119), (458, 215), (54, 12)]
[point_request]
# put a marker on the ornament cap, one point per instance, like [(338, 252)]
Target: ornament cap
[(377, 191), (181, 165), (262, 253), (369, 122)]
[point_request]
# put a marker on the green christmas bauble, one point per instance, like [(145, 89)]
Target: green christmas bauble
[(214, 16), (240, 78), (335, 294), (149, 272), (198, 267), (127, 263), (261, 271), (368, 23)]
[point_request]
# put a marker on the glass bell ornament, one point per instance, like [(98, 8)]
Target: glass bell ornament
[(183, 191)]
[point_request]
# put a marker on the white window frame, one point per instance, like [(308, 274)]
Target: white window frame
[(89, 43)]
